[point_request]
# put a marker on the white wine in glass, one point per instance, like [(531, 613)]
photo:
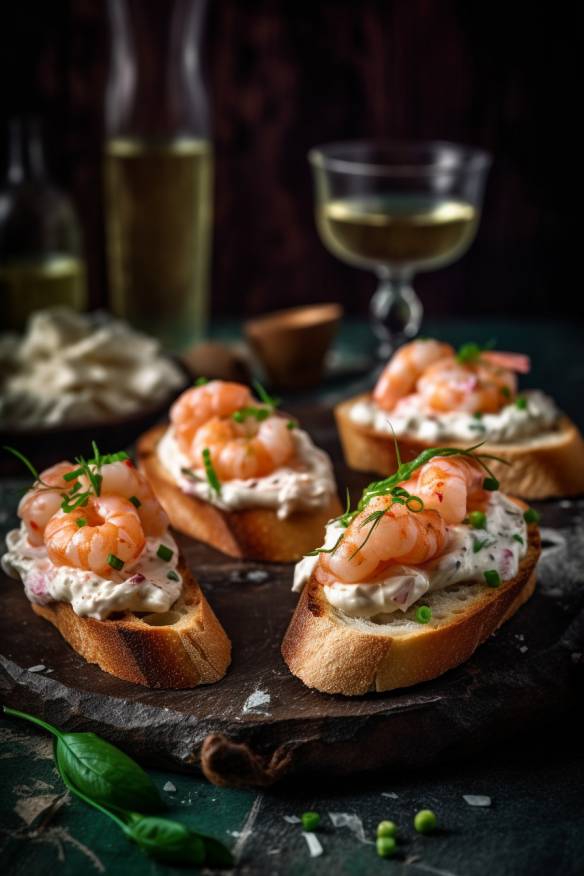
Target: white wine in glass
[(397, 209)]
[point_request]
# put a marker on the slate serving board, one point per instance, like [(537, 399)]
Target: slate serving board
[(260, 724)]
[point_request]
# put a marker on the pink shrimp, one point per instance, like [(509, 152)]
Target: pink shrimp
[(123, 479), (88, 537), (244, 450), (198, 405), (469, 387), (38, 505), (448, 485), (370, 545), (399, 376)]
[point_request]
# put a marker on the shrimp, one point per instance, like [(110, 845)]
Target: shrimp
[(198, 405), (244, 450), (471, 387), (39, 504), (399, 376), (123, 479), (447, 485), (369, 545), (87, 536)]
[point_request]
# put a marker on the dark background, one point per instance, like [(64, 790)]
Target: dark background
[(284, 76)]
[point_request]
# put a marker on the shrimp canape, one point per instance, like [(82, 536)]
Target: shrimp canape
[(97, 560), (430, 394), (433, 559), (232, 471)]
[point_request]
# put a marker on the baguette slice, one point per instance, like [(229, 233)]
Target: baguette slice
[(335, 653), (552, 465), (254, 534), (181, 648)]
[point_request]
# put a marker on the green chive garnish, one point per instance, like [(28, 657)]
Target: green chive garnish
[(518, 538), (201, 381), (310, 821), (505, 392), (478, 415), (492, 578), (291, 424), (238, 416), (135, 501), (81, 522), (115, 562), (478, 544), (164, 552), (490, 484), (532, 516), (72, 475), (172, 576), (423, 614), (210, 471), (264, 396), (477, 519), (521, 403)]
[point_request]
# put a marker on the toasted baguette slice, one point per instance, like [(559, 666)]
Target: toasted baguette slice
[(552, 465), (254, 534), (335, 653), (181, 648)]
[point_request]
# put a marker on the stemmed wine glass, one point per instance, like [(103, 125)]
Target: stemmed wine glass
[(397, 208)]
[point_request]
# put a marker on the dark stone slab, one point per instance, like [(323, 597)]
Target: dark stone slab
[(260, 724)]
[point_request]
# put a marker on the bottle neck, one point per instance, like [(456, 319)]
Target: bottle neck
[(26, 157), (155, 87)]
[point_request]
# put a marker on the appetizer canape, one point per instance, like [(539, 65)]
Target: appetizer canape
[(97, 560), (230, 470), (429, 394), (408, 585)]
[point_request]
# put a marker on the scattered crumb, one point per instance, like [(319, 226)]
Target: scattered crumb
[(273, 851), (520, 637), (477, 799), (291, 819), (38, 668), (313, 843), (523, 649), (390, 794), (257, 576), (565, 503), (255, 701), (169, 787)]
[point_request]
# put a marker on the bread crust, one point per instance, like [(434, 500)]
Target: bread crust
[(552, 466), (254, 534), (333, 657), (194, 650)]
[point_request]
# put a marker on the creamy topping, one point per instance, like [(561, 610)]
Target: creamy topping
[(144, 586), (307, 485), (71, 367), (468, 554), (511, 423)]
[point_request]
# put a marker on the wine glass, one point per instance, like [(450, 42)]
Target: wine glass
[(397, 208)]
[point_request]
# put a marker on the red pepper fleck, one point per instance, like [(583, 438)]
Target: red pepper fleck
[(34, 525), (129, 463), (440, 497)]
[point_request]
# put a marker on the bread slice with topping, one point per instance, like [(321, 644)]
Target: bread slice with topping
[(181, 648), (542, 467), (254, 533), (338, 654)]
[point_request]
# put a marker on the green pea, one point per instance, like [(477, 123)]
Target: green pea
[(310, 821), (386, 846), (386, 828), (425, 821)]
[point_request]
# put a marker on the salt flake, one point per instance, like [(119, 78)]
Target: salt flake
[(313, 843), (477, 799), (291, 819), (38, 668), (390, 794), (169, 787)]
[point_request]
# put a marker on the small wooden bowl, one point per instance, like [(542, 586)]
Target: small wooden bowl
[(291, 344)]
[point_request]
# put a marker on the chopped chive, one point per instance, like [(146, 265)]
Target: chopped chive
[(259, 414), (238, 416), (518, 538), (72, 475), (505, 392), (423, 614), (477, 519), (291, 424), (264, 396), (115, 562), (521, 403), (492, 578), (81, 521), (532, 516), (478, 415), (135, 501), (210, 471), (478, 544), (164, 552), (172, 575), (310, 821), (25, 461), (490, 484), (201, 381), (468, 353)]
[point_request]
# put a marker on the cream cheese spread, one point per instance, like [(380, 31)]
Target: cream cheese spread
[(308, 485), (468, 554), (510, 424), (144, 586)]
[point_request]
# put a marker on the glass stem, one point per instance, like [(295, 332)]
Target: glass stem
[(395, 310)]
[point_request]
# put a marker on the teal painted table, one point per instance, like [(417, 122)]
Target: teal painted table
[(535, 823)]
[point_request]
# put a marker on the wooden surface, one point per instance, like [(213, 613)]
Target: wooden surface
[(260, 724)]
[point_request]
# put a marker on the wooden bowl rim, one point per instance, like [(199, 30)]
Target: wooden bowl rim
[(295, 319)]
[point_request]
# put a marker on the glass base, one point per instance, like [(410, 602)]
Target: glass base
[(395, 312)]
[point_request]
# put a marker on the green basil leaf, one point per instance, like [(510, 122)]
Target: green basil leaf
[(166, 840), (106, 774)]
